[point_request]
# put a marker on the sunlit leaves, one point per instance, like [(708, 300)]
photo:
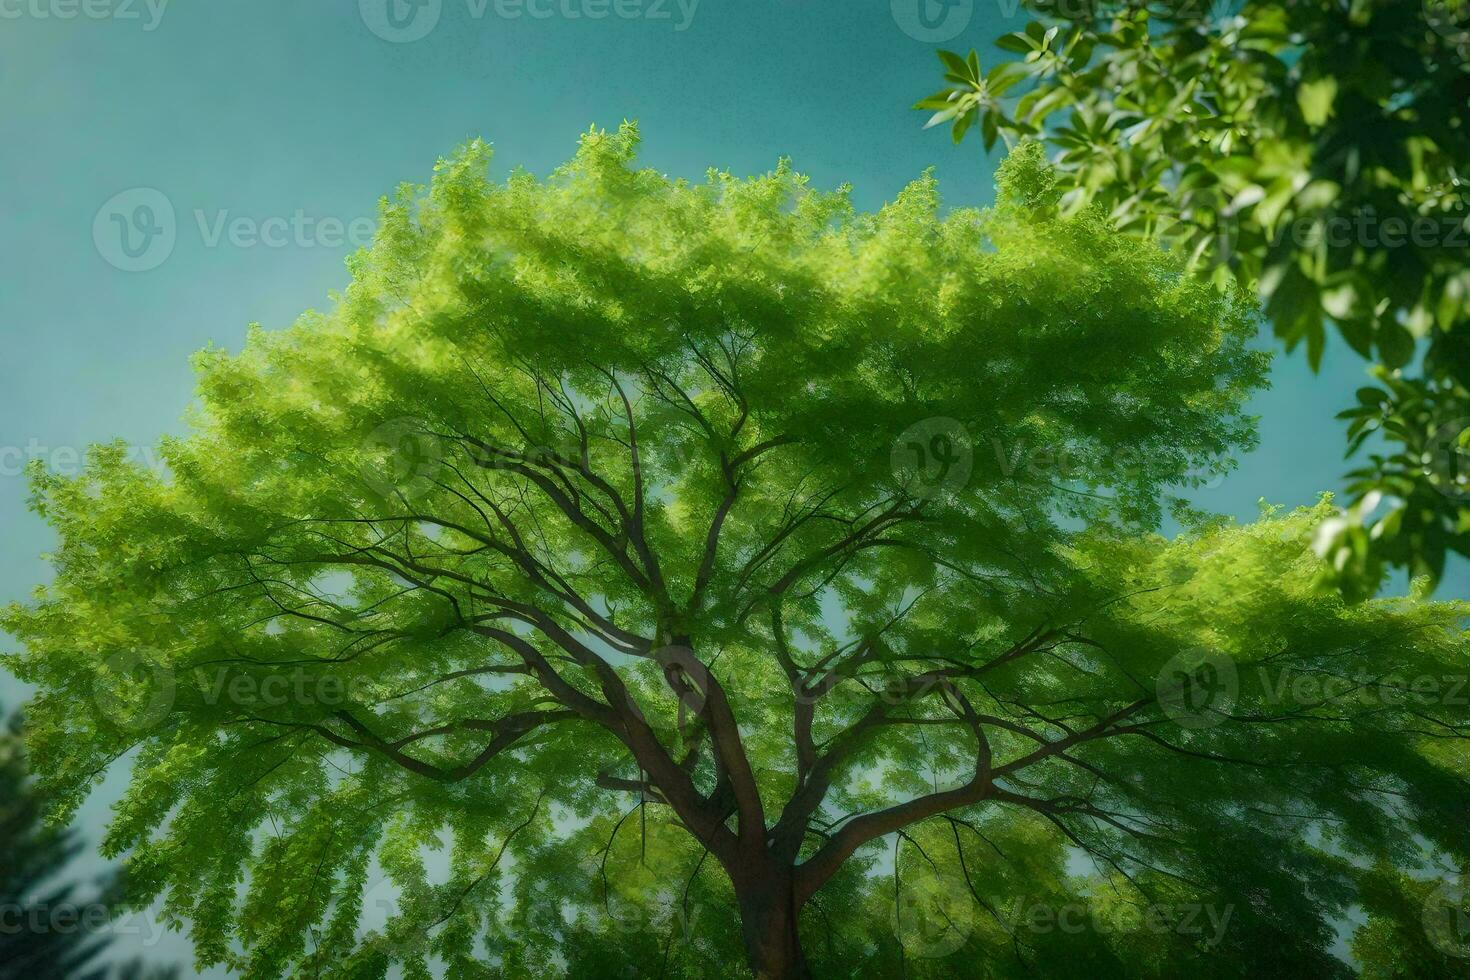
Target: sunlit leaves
[(427, 558)]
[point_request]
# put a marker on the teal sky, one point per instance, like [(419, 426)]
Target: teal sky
[(297, 116)]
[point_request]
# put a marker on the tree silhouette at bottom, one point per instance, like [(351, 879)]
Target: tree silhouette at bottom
[(44, 931)]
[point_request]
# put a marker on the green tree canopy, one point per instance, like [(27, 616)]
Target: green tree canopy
[(621, 557), (1312, 151)]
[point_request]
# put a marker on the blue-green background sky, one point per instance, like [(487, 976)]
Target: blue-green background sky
[(274, 108)]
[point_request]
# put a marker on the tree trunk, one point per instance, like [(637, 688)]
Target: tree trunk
[(769, 920)]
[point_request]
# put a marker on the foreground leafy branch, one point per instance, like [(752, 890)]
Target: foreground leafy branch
[(1313, 153)]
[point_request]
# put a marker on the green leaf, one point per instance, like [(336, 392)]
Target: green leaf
[(1395, 345), (956, 66), (989, 130), (1316, 98), (1372, 396), (1019, 43), (1002, 77), (942, 116), (1340, 301), (962, 125)]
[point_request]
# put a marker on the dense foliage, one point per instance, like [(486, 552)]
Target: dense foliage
[(622, 557), (1311, 150)]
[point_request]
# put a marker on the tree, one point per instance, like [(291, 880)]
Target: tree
[(1310, 151), (34, 856), (46, 931), (621, 556)]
